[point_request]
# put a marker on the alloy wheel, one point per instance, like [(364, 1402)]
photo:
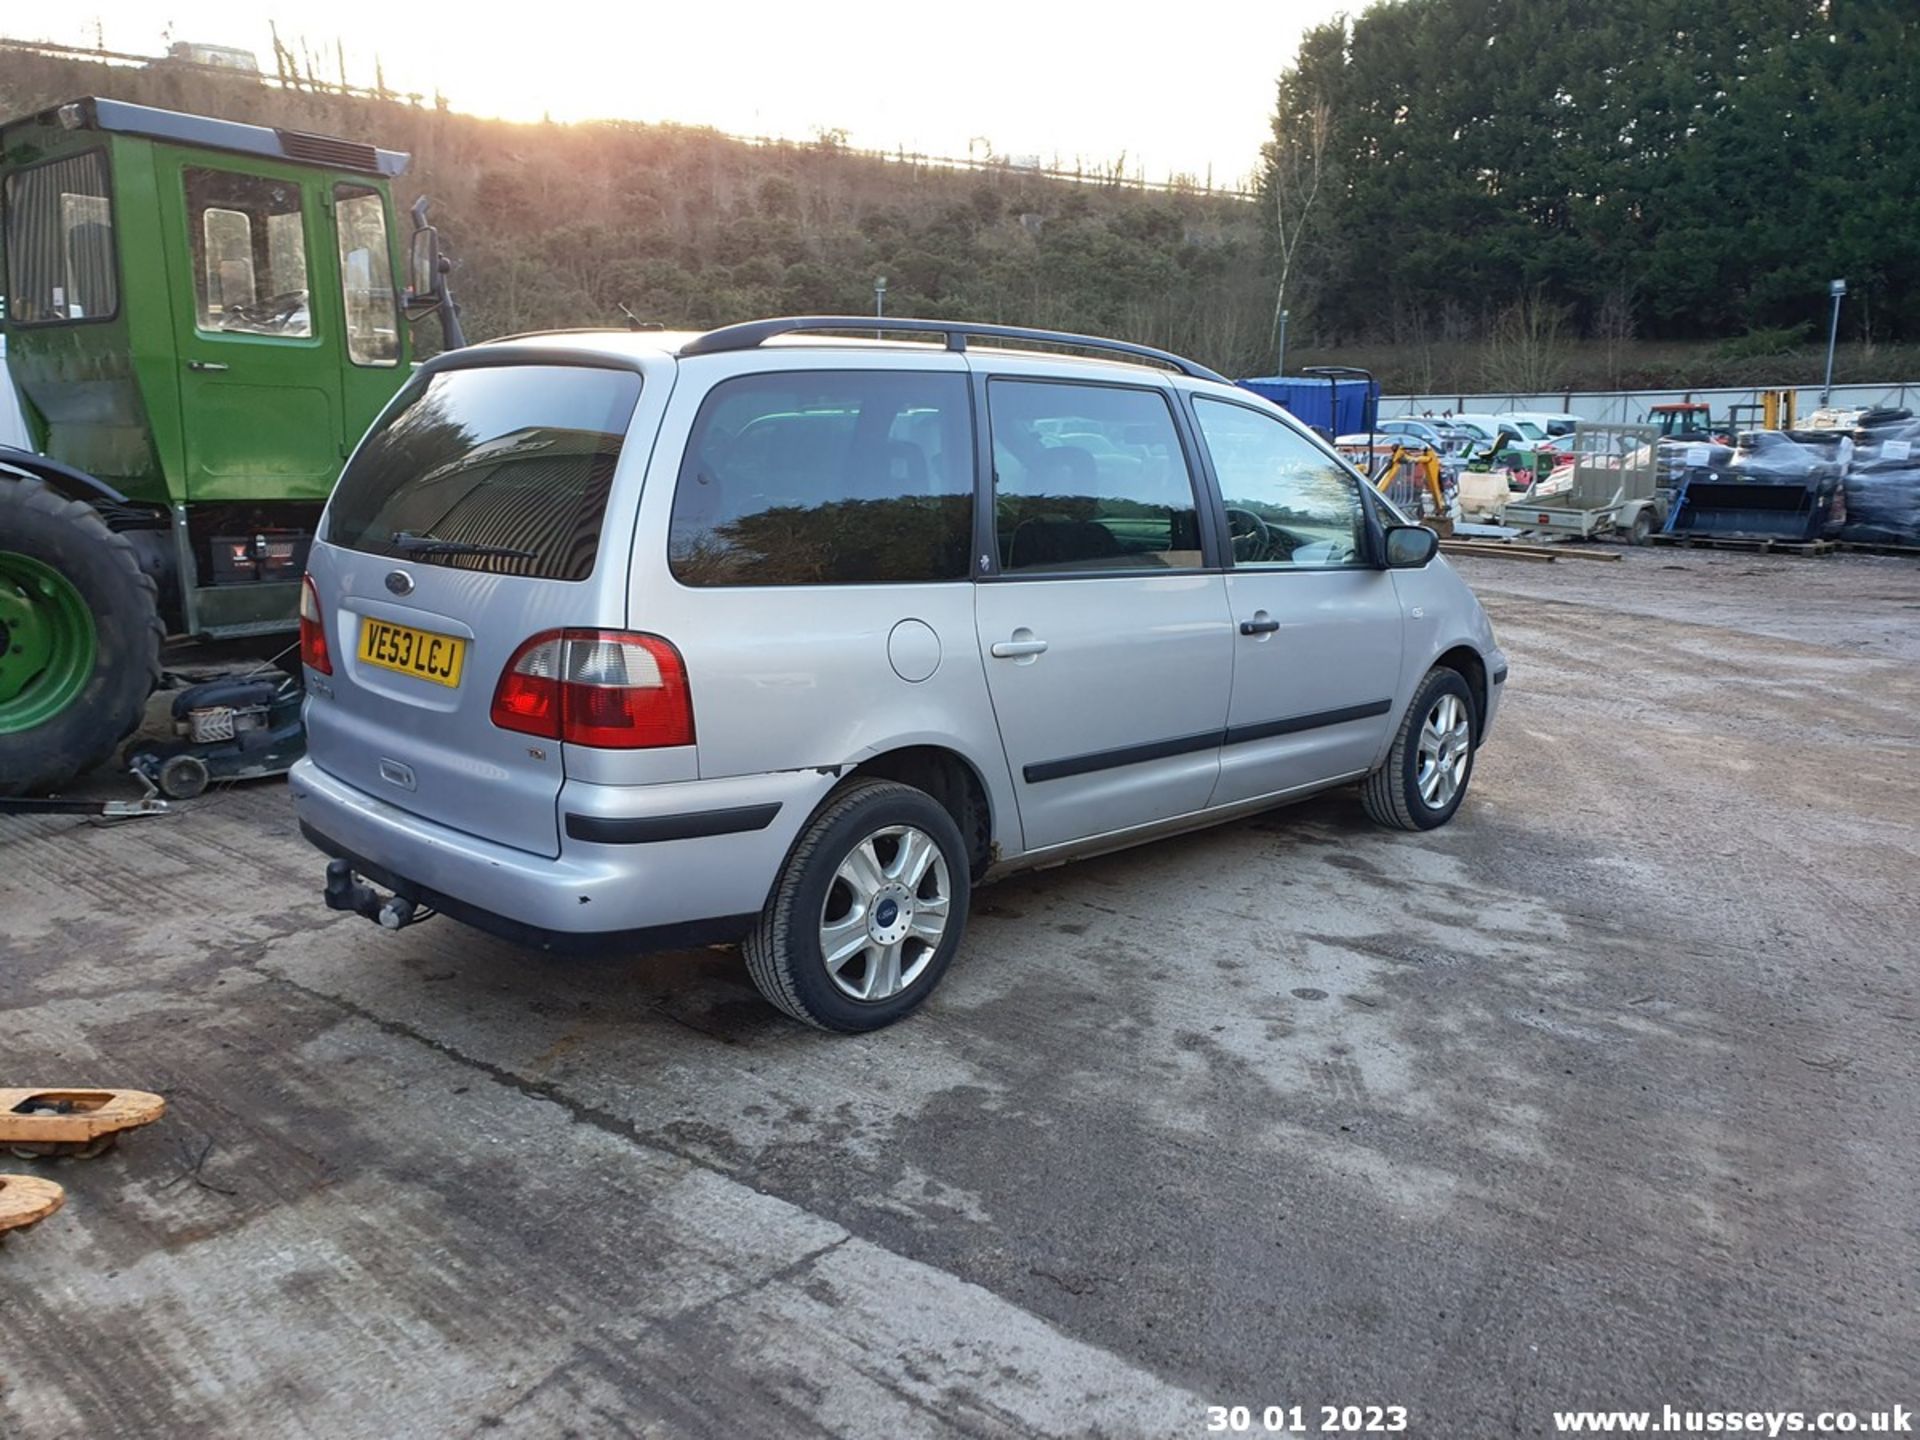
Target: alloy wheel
[(1446, 744), (885, 913)]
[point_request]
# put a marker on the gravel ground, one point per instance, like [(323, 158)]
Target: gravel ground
[(1603, 1096)]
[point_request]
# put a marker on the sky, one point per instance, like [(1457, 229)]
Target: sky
[(1174, 89)]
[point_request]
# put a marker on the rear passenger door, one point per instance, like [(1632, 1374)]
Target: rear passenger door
[(1316, 650), (1104, 634), (816, 572)]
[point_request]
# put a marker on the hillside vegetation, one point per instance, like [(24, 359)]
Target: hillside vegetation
[(561, 225), (1462, 195), (1545, 183)]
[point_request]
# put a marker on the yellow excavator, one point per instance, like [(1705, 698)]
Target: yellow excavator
[(1422, 468)]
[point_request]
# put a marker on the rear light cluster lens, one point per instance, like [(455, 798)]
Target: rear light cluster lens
[(613, 689), (313, 633)]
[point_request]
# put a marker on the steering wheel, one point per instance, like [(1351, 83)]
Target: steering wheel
[(1243, 529), (275, 312)]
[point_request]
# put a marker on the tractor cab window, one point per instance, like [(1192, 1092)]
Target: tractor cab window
[(60, 242), (249, 253), (366, 276)]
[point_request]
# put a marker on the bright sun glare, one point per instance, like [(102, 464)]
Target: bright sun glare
[(1130, 84)]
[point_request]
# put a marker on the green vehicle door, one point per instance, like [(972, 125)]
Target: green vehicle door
[(252, 264)]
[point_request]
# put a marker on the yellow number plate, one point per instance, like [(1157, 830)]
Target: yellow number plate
[(412, 652)]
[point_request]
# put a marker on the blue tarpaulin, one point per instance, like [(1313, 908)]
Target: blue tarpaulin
[(1333, 407)]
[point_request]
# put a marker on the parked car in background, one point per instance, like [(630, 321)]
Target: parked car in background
[(1552, 424), (1486, 428), (638, 638), (1452, 443), (1425, 431)]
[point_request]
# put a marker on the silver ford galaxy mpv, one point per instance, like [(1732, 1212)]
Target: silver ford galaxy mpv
[(641, 638)]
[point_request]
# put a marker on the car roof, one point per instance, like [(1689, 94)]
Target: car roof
[(628, 346)]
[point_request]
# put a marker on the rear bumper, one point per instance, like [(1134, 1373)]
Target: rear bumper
[(697, 869)]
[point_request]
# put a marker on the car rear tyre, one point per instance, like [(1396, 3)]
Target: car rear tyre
[(79, 638), (867, 912), (1427, 770)]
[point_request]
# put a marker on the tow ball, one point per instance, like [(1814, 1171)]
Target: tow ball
[(346, 891)]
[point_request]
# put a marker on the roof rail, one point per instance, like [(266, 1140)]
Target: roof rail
[(754, 333)]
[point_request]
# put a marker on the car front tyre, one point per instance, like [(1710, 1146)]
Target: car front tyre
[(866, 913), (1428, 768)]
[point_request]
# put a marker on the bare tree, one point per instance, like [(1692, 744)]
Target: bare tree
[(1296, 157), (1613, 324), (1526, 351)]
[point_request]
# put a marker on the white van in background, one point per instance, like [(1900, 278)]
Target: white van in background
[(1552, 423)]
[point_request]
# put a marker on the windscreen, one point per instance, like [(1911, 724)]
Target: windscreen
[(503, 468)]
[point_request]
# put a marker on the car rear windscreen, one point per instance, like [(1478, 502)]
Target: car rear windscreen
[(501, 468)]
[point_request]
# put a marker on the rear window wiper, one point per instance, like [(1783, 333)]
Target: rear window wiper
[(433, 545)]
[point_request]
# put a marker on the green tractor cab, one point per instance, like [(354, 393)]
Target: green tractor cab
[(1690, 421), (201, 319)]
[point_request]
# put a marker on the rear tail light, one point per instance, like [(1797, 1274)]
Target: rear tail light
[(613, 689), (313, 632)]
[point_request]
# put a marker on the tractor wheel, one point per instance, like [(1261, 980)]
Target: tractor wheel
[(79, 638)]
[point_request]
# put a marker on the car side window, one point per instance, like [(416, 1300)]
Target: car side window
[(821, 477), (1089, 478), (1289, 505)]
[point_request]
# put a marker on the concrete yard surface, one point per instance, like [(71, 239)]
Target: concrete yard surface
[(1603, 1096)]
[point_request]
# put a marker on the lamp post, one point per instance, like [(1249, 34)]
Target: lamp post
[(1837, 290)]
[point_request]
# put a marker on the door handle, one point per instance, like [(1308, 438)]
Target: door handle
[(1259, 627), (1015, 649), (205, 365)]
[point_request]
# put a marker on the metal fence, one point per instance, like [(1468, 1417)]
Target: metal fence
[(1629, 407)]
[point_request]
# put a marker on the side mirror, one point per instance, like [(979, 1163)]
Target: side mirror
[(423, 266), (1410, 546)]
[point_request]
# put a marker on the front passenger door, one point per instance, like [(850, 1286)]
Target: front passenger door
[(1317, 643)]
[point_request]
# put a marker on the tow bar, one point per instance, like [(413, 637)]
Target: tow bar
[(148, 804), (346, 891)]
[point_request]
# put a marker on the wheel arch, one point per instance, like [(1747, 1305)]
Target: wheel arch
[(153, 543), (1466, 662), (951, 779), (61, 478)]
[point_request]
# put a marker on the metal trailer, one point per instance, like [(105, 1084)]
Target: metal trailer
[(1613, 486)]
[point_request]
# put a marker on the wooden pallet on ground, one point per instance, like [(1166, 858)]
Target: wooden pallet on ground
[(26, 1200), (1496, 549), (1521, 550), (1751, 544), (83, 1123), (1868, 547)]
